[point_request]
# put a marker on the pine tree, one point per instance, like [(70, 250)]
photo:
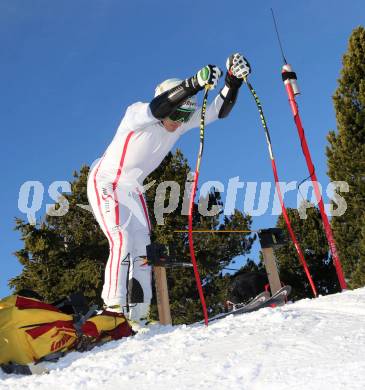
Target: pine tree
[(346, 158), (66, 254), (313, 242)]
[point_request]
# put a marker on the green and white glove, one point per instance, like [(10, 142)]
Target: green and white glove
[(209, 75)]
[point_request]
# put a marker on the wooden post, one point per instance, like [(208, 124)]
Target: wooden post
[(162, 295), (270, 239), (271, 269)]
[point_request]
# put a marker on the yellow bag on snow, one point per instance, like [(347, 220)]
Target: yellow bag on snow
[(31, 329)]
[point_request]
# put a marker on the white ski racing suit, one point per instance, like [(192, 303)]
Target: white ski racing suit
[(115, 194)]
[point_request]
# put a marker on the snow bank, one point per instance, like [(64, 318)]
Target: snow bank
[(312, 344)]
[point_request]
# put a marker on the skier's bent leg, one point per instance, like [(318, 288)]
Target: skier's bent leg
[(112, 218)]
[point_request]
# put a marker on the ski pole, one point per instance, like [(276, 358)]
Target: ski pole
[(275, 172), (191, 205)]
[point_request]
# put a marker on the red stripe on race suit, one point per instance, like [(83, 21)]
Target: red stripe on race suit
[(117, 219)]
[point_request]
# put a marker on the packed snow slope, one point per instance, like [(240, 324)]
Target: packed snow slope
[(312, 344)]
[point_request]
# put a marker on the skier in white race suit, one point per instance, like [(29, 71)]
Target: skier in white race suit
[(147, 132)]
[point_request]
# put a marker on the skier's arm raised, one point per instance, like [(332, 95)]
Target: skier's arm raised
[(163, 105), (238, 69), (140, 115)]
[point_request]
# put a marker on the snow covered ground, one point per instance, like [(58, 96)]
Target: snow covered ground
[(312, 344)]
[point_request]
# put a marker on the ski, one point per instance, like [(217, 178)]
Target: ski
[(258, 299), (261, 301)]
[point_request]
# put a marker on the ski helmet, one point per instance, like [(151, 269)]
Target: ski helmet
[(186, 109)]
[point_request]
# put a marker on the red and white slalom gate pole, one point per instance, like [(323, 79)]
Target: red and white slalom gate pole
[(290, 82)]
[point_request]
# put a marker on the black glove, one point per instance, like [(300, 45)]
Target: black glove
[(238, 68)]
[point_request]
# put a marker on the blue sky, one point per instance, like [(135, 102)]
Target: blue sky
[(69, 70)]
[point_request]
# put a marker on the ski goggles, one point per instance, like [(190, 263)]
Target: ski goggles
[(181, 115)]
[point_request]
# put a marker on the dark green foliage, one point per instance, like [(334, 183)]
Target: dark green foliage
[(358, 279), (68, 254), (250, 266), (312, 239), (63, 254), (346, 158)]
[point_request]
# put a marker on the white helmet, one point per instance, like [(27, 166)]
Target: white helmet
[(186, 109)]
